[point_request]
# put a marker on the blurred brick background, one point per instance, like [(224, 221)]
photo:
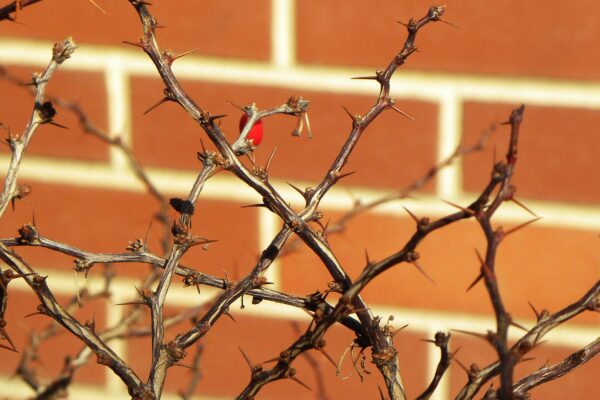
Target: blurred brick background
[(461, 81)]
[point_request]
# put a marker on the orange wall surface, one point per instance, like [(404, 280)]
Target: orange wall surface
[(463, 79)]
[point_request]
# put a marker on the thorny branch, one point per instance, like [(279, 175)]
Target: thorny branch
[(90, 127), (297, 222), (549, 373), (545, 323), (43, 113), (367, 328), (441, 340)]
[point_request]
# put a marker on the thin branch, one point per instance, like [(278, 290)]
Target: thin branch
[(589, 302), (43, 113), (50, 306), (441, 340), (552, 372)]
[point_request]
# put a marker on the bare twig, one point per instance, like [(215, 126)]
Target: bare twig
[(43, 113), (546, 322), (441, 341)]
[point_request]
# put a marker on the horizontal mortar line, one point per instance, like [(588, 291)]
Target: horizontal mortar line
[(419, 320), (100, 175), (17, 389), (416, 85)]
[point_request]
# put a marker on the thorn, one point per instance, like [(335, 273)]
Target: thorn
[(455, 352), (3, 332), (519, 326), (256, 205), (518, 227), (479, 257), (413, 216), (32, 314), (327, 356), (368, 260), (97, 6), (215, 117), (57, 124), (537, 314), (342, 176), (131, 303), (270, 360), (422, 270), (147, 235), (270, 159), (523, 206), (371, 77), (8, 348), (479, 277), (251, 158), (138, 44), (185, 366), (349, 114), (448, 23), (185, 53), (399, 111), (462, 366), (163, 100), (230, 316), (381, 396), (197, 240), (479, 335), (467, 210), (326, 226), (226, 278), (247, 359), (300, 382), (236, 106), (399, 329), (297, 189)]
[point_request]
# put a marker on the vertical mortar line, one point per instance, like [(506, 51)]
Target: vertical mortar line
[(268, 226), (442, 392), (118, 98), (283, 33), (449, 179), (114, 315)]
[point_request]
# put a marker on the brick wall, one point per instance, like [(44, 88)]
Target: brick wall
[(462, 80)]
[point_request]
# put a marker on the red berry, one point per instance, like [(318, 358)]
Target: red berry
[(256, 133)]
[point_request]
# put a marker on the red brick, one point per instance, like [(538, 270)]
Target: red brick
[(84, 88), (53, 351), (225, 373), (392, 153), (509, 38), (213, 27), (557, 151), (105, 220), (532, 266), (579, 384)]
